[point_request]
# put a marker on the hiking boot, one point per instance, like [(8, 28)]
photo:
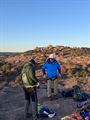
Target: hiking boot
[(51, 115), (28, 115), (55, 97), (50, 98)]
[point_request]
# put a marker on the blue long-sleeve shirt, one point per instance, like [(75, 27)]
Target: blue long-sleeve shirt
[(52, 69)]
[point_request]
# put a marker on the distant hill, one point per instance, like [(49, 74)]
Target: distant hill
[(60, 50), (8, 53)]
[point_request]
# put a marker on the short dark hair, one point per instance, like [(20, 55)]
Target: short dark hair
[(33, 61)]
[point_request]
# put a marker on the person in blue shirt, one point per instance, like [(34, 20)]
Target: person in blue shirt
[(52, 70)]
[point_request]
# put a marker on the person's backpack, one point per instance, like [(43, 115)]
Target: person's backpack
[(25, 79), (78, 95), (26, 75), (24, 72), (46, 112)]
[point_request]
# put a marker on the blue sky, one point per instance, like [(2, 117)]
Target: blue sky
[(25, 24)]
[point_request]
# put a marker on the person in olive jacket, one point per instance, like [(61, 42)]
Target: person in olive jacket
[(30, 83)]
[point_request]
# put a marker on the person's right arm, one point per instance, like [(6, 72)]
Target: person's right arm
[(32, 75)]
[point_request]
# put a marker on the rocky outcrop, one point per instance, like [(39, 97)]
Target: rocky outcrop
[(75, 63)]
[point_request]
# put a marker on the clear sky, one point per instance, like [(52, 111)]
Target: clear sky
[(25, 24)]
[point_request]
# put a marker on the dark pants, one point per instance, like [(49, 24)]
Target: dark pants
[(31, 100)]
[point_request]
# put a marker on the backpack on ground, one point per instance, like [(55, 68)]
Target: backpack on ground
[(78, 95), (45, 112)]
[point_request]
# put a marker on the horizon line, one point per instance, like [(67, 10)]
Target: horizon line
[(43, 47)]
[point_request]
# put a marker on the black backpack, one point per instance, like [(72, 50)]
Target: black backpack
[(78, 95)]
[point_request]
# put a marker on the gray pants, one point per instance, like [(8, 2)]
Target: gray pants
[(52, 84)]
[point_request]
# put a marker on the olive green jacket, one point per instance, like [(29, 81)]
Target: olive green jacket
[(28, 75)]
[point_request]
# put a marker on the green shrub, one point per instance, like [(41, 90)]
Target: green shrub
[(6, 68), (83, 74), (71, 72)]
